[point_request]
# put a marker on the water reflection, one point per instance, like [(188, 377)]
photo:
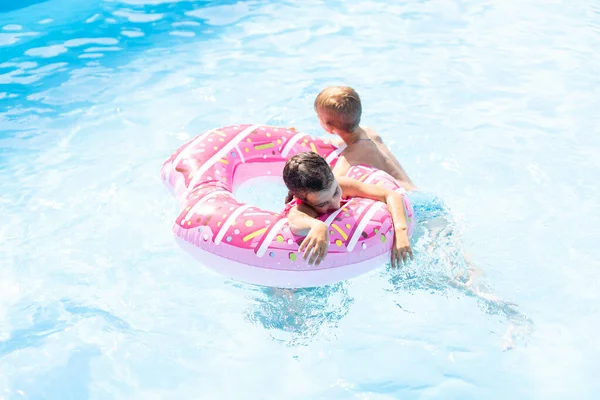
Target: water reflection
[(6, 6), (95, 35), (443, 265), (70, 379), (296, 317)]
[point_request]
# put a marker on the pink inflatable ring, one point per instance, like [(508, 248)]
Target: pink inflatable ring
[(256, 246)]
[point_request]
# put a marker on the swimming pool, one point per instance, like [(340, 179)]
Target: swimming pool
[(488, 104)]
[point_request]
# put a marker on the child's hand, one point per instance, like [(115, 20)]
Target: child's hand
[(316, 243), (401, 250)]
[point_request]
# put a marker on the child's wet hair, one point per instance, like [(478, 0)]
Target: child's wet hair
[(306, 173), (339, 107)]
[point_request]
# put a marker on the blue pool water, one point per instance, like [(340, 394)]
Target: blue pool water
[(488, 104)]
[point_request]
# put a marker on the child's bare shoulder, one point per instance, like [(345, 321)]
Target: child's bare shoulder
[(362, 153), (373, 135)]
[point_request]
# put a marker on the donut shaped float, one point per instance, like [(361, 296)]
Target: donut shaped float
[(254, 245)]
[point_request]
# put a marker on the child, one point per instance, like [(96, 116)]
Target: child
[(313, 191), (339, 111)]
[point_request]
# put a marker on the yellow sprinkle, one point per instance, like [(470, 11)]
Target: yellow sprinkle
[(268, 134), (249, 223), (348, 226), (189, 223), (264, 146), (218, 223), (362, 178), (224, 161), (248, 140), (220, 133), (313, 147), (341, 232), (338, 242), (246, 150), (278, 141), (254, 234)]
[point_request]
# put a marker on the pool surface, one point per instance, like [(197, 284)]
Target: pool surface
[(489, 105)]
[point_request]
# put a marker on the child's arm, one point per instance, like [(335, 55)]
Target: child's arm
[(303, 223), (353, 188)]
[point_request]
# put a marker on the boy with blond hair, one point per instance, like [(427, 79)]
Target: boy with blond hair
[(339, 110)]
